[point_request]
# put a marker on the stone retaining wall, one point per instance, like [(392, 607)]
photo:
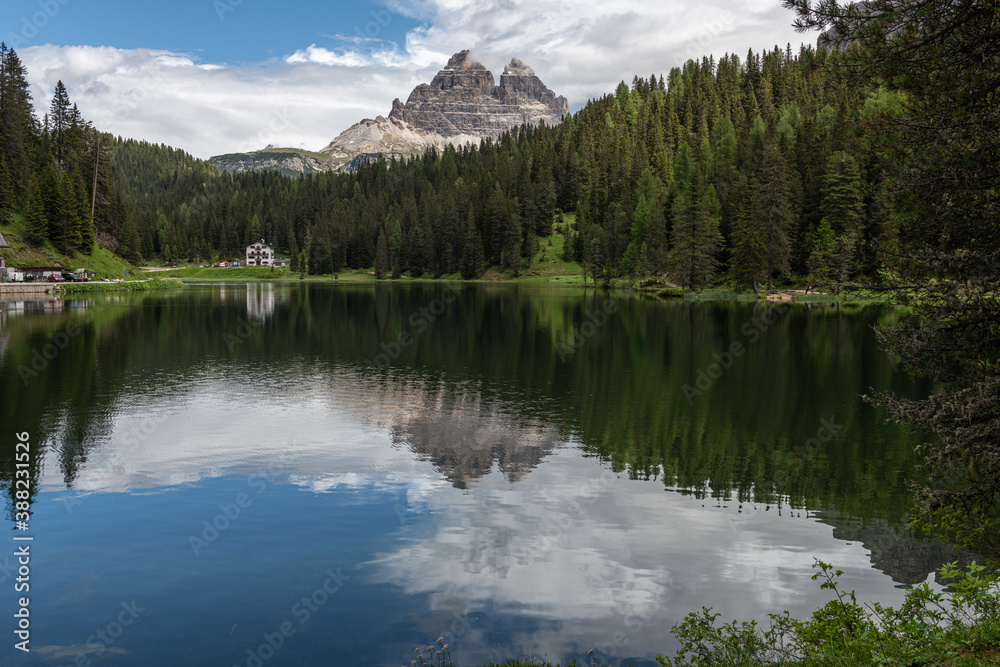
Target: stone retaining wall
[(27, 288)]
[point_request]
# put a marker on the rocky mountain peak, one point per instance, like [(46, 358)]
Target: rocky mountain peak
[(461, 60), (517, 67), (461, 104), (463, 100)]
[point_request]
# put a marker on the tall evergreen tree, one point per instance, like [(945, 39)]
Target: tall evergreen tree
[(37, 232), (843, 208), (695, 235), (382, 264), (944, 156), (776, 214), (17, 121), (60, 120), (823, 258), (7, 200), (84, 232), (472, 258)]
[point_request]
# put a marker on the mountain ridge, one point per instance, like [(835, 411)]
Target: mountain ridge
[(462, 104)]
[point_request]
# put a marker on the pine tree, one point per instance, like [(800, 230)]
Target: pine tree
[(395, 248), (60, 120), (843, 207), (695, 235), (382, 264), (472, 258), (129, 244), (7, 201), (776, 214), (17, 121), (944, 160), (38, 226), (843, 201), (83, 234), (749, 255), (51, 191), (823, 258), (255, 230)]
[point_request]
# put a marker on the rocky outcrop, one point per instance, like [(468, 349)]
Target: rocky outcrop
[(462, 104), (290, 162)]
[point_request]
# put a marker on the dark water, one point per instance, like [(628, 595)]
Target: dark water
[(244, 475)]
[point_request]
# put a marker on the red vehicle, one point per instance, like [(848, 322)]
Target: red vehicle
[(56, 279), (222, 264)]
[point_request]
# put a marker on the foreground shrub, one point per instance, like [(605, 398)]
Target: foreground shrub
[(960, 626)]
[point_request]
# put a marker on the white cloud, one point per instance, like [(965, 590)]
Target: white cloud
[(580, 50), (210, 108)]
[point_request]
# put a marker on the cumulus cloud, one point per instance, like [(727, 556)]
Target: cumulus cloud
[(304, 99), (210, 108)]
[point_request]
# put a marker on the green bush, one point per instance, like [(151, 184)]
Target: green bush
[(958, 627)]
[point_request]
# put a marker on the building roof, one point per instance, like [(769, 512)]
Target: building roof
[(3, 242)]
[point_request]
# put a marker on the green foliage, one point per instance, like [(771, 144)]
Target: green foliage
[(695, 235), (957, 627), (472, 252), (935, 130), (382, 266), (823, 258), (762, 248), (660, 164)]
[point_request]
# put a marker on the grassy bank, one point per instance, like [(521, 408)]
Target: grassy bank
[(103, 262), (548, 267), (122, 286)]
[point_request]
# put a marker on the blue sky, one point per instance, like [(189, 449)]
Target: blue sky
[(225, 31), (223, 76)]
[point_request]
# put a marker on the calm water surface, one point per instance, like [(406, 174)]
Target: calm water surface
[(335, 475)]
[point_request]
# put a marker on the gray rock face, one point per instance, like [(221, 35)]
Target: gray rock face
[(289, 161), (464, 100), (462, 104)]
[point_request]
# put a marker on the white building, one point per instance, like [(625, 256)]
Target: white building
[(260, 254)]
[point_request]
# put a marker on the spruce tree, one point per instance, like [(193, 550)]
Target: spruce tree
[(37, 231), (776, 214), (472, 251), (749, 253), (60, 119), (129, 244), (823, 258), (843, 200), (944, 165), (382, 265), (7, 201), (83, 234), (695, 235), (52, 193), (843, 207), (17, 121)]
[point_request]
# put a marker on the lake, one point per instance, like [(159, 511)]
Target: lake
[(335, 475)]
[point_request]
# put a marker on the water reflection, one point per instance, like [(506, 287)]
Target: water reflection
[(503, 479), (261, 301)]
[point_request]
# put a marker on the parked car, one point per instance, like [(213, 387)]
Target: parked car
[(73, 278), (56, 279), (222, 264)]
